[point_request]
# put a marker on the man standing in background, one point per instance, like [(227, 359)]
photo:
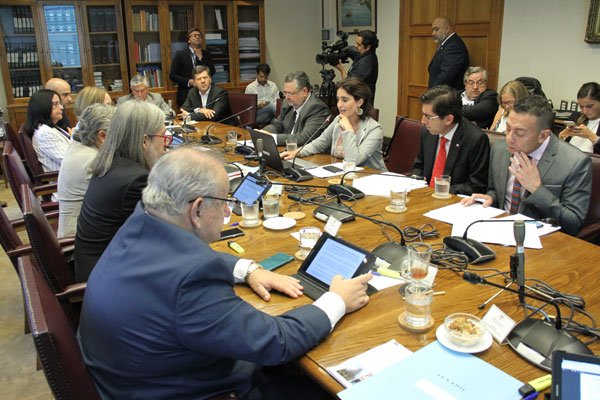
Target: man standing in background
[(451, 58)]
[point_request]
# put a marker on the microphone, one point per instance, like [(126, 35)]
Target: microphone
[(535, 339), (300, 175), (171, 115), (259, 154), (519, 256), (210, 103), (244, 149), (208, 139), (475, 251)]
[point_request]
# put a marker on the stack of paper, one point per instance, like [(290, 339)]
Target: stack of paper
[(380, 184)]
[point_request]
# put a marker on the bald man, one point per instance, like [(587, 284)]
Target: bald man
[(451, 59), (63, 88)]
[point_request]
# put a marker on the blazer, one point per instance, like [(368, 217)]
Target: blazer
[(220, 106), (161, 320), (153, 98), (484, 109), (466, 162), (313, 114), (181, 71), (449, 63), (108, 202), (364, 146), (565, 192)]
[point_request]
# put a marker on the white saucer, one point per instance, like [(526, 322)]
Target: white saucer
[(279, 223), (483, 344)]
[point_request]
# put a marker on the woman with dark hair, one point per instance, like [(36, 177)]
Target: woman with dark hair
[(353, 134), (586, 134), (50, 142)]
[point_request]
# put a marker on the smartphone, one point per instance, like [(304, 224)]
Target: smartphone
[(333, 168), (569, 124), (275, 261), (231, 233)]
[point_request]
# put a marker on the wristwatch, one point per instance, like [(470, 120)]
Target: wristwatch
[(253, 267)]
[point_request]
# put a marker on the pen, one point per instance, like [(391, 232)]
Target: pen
[(532, 396), (235, 224)]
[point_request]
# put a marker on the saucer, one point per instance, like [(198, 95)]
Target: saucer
[(279, 223), (483, 344), (405, 325)]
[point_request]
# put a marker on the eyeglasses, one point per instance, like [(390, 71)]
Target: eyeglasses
[(195, 35), (480, 82), (429, 117), (505, 104), (57, 103), (167, 139), (289, 93), (231, 202)]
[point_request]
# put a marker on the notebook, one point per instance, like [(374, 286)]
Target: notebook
[(575, 376), (332, 256), (271, 154)]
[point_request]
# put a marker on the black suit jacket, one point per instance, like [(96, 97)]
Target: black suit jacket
[(220, 107), (181, 71), (366, 67), (449, 63), (484, 110), (467, 160)]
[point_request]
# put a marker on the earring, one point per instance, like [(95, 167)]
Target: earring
[(359, 111)]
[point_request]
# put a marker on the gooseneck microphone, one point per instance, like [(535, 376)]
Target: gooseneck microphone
[(295, 174), (208, 139), (259, 153), (535, 339), (519, 256)]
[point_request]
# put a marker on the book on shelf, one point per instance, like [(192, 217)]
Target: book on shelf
[(218, 18)]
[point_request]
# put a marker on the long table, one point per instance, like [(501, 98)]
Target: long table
[(566, 263)]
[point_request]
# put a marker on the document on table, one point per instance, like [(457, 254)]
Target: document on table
[(499, 232), (380, 184), (321, 172), (458, 213)]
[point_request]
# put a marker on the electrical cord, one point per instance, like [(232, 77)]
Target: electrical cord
[(426, 231)]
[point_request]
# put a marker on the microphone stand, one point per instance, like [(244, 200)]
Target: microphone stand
[(259, 155), (208, 139), (533, 339)]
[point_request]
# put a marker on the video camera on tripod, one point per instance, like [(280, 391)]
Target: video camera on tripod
[(336, 52)]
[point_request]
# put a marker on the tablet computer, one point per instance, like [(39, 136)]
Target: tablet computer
[(575, 376), (252, 188)]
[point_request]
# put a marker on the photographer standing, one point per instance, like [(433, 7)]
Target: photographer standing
[(365, 65)]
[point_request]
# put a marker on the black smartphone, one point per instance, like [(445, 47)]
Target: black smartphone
[(231, 233), (333, 168), (276, 261)]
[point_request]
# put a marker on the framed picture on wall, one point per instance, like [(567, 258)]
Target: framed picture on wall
[(354, 16), (592, 34)]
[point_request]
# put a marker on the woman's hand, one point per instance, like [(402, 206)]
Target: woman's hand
[(345, 124), (288, 155)]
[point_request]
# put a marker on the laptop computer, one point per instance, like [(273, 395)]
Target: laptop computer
[(575, 376), (272, 159), (332, 256)]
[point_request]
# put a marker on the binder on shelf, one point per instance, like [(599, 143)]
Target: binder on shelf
[(219, 19)]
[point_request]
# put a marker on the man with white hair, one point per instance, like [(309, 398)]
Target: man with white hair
[(139, 91), (160, 317), (480, 104)]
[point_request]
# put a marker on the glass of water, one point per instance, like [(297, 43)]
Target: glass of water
[(291, 144), (270, 206), (308, 238), (442, 187), (417, 307)]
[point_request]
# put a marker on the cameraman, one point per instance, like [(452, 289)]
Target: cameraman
[(365, 65)]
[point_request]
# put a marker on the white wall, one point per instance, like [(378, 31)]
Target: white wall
[(544, 39)]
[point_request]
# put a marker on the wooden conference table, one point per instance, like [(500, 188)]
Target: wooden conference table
[(566, 263)]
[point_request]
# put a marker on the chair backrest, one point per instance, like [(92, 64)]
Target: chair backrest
[(54, 338), (48, 252), (15, 171), (593, 214), (374, 113), (494, 136), (240, 102), (404, 145), (278, 106), (533, 85), (8, 237), (13, 137), (29, 154)]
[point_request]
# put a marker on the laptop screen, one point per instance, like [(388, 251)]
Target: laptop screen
[(334, 257), (575, 376)]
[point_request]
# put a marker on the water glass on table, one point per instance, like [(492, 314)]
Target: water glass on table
[(270, 206), (308, 238), (398, 197), (419, 255), (291, 144), (250, 214), (417, 307), (349, 165), (442, 187)]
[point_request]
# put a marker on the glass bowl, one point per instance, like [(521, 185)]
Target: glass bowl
[(464, 329)]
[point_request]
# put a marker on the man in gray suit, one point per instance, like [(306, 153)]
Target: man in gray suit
[(303, 114), (536, 174), (139, 91)]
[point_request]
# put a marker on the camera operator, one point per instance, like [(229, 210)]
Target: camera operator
[(365, 65)]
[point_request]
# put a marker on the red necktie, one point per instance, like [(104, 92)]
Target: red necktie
[(440, 162)]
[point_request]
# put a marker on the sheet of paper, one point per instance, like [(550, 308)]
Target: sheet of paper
[(457, 212), (379, 185), (321, 172), (542, 227), (498, 232), (246, 169)]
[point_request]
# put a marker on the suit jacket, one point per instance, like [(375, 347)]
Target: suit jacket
[(153, 98), (107, 203), (161, 319), (220, 106), (449, 63), (366, 67), (566, 175), (484, 109), (466, 162), (181, 71), (313, 114)]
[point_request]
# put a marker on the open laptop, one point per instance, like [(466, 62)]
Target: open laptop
[(271, 154), (575, 376), (332, 256)]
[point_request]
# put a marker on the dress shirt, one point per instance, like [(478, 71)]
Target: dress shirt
[(465, 100), (535, 157), (268, 92), (50, 145), (449, 137), (584, 144), (204, 97)]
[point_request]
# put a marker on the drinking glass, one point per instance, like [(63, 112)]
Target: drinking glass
[(308, 238), (419, 255), (250, 214), (442, 186), (291, 144), (270, 206)]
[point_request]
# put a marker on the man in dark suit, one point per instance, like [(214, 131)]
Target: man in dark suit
[(480, 104), (451, 144), (184, 62), (535, 173), (161, 318), (206, 102), (451, 58), (303, 114)]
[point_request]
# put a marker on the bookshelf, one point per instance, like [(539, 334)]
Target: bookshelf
[(250, 38)]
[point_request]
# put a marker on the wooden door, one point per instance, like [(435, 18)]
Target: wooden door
[(477, 22)]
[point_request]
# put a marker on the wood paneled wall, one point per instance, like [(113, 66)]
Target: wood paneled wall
[(478, 22)]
